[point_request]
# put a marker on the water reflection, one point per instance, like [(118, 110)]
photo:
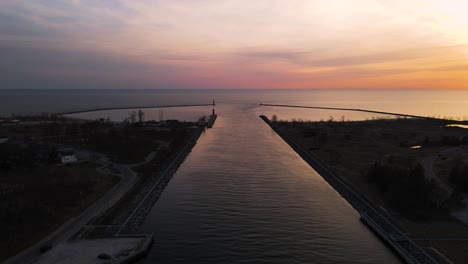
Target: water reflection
[(243, 196)]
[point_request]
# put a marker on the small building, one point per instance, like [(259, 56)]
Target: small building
[(3, 139), (67, 157)]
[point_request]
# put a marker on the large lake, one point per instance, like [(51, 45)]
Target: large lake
[(443, 103), (243, 195)]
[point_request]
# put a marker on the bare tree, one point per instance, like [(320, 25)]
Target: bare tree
[(274, 118), (133, 116), (141, 116)]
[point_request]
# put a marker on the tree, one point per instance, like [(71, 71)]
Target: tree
[(405, 186), (132, 116), (141, 116), (274, 118)]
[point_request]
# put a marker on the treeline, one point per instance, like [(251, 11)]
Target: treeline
[(453, 140), (26, 156), (405, 187), (132, 144)]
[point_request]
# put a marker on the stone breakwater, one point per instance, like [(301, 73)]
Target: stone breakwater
[(409, 251), (211, 121)]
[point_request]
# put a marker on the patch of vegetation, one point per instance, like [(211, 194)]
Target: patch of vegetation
[(122, 148), (27, 156), (35, 202), (404, 185)]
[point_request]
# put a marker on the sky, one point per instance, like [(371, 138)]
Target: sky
[(183, 44)]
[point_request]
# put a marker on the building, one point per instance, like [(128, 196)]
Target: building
[(67, 157)]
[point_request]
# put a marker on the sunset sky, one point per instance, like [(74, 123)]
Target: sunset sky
[(233, 44)]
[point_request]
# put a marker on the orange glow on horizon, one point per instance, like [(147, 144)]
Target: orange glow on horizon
[(231, 44)]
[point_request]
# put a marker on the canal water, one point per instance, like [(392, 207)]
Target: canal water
[(244, 196)]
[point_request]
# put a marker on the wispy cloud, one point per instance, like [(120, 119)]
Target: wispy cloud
[(208, 43)]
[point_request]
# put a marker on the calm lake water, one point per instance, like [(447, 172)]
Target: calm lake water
[(243, 195), (451, 103)]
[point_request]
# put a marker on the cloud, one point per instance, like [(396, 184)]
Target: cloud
[(47, 68), (267, 43), (319, 59)]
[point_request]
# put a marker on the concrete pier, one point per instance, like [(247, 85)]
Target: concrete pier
[(211, 121)]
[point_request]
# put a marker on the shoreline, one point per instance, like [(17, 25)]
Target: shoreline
[(406, 249)]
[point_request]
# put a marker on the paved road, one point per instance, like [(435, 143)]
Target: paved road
[(72, 226)]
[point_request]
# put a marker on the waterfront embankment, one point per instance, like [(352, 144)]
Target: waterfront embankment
[(391, 234)]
